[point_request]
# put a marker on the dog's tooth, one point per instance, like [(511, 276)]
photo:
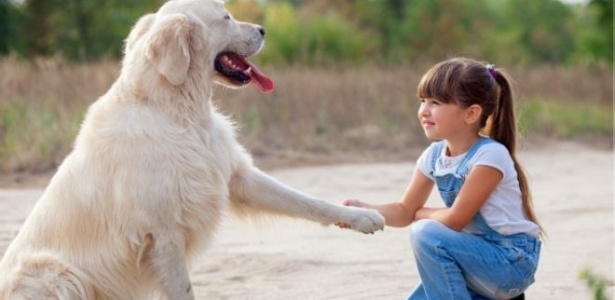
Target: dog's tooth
[(249, 70)]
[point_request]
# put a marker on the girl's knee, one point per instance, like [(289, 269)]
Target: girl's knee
[(425, 231)]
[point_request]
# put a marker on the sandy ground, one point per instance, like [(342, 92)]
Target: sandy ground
[(294, 259)]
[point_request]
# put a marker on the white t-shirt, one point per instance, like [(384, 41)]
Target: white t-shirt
[(503, 210)]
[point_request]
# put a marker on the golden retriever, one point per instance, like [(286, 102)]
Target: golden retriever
[(154, 168)]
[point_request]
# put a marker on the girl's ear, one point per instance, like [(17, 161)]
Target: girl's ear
[(473, 114)]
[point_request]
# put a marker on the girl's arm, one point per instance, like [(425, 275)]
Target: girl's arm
[(401, 214), (480, 183)]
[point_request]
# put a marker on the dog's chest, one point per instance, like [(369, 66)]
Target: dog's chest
[(218, 144)]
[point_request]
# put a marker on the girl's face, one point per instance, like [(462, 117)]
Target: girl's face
[(441, 120)]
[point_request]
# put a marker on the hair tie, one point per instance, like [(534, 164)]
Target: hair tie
[(492, 71)]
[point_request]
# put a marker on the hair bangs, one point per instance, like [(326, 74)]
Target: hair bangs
[(435, 84)]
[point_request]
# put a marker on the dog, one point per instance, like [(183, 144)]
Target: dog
[(154, 168)]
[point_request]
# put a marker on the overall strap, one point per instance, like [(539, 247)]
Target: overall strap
[(463, 165), (435, 155)]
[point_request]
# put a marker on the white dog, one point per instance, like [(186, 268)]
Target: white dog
[(153, 169)]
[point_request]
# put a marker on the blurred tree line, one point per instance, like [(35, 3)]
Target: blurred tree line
[(326, 32)]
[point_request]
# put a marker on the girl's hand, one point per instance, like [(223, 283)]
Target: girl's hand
[(353, 202)]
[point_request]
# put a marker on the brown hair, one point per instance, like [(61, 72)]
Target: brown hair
[(466, 82)]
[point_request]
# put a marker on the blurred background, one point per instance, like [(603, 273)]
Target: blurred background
[(345, 71)]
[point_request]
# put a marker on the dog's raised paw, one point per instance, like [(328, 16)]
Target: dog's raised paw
[(367, 221)]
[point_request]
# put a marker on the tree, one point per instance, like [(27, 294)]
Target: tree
[(540, 29), (346, 31), (89, 29), (38, 27), (603, 46), (5, 22), (80, 29)]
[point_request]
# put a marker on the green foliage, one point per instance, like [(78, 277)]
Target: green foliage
[(595, 42), (285, 31), (564, 120), (349, 31), (77, 29), (322, 39), (445, 27), (332, 39), (11, 20), (539, 30), (596, 284), (4, 26), (508, 32), (47, 137)]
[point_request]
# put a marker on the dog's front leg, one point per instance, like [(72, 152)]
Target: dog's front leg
[(163, 254), (251, 188)]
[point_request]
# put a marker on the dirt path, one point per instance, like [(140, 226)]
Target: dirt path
[(291, 259)]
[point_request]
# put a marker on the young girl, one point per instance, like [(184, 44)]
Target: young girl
[(485, 243)]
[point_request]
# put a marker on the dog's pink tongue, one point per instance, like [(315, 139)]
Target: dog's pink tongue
[(264, 83)]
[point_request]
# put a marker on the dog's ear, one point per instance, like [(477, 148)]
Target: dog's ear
[(168, 47), (138, 31)]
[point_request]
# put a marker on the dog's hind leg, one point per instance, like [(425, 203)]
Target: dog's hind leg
[(44, 276), (163, 255)]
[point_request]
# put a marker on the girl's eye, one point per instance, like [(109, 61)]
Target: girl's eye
[(430, 101)]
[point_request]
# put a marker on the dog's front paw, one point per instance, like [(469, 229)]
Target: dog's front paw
[(366, 220)]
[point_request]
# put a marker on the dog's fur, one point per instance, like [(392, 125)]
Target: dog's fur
[(153, 169)]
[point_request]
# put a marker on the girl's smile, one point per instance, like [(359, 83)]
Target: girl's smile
[(439, 120), (427, 124)]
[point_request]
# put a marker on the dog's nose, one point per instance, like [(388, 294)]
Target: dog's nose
[(261, 30)]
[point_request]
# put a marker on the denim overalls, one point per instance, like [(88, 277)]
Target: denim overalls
[(476, 263)]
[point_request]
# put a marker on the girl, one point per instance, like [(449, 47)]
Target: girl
[(485, 243)]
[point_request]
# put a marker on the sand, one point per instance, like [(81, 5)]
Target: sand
[(293, 259)]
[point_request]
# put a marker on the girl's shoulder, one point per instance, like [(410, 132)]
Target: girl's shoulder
[(494, 146), (493, 153)]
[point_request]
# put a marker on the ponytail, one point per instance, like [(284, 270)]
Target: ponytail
[(503, 129)]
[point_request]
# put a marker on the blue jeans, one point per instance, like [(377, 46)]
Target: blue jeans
[(461, 265), (476, 263)]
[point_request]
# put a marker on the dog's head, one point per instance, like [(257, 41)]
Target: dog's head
[(196, 37)]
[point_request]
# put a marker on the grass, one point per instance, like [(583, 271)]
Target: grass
[(565, 120), (34, 140), (596, 284), (313, 111)]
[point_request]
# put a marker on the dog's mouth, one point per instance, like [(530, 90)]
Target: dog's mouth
[(240, 71)]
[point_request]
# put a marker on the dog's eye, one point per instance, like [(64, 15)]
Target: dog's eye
[(227, 17)]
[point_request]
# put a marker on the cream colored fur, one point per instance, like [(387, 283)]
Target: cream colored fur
[(153, 169)]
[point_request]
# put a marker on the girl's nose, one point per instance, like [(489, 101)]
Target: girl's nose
[(423, 111)]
